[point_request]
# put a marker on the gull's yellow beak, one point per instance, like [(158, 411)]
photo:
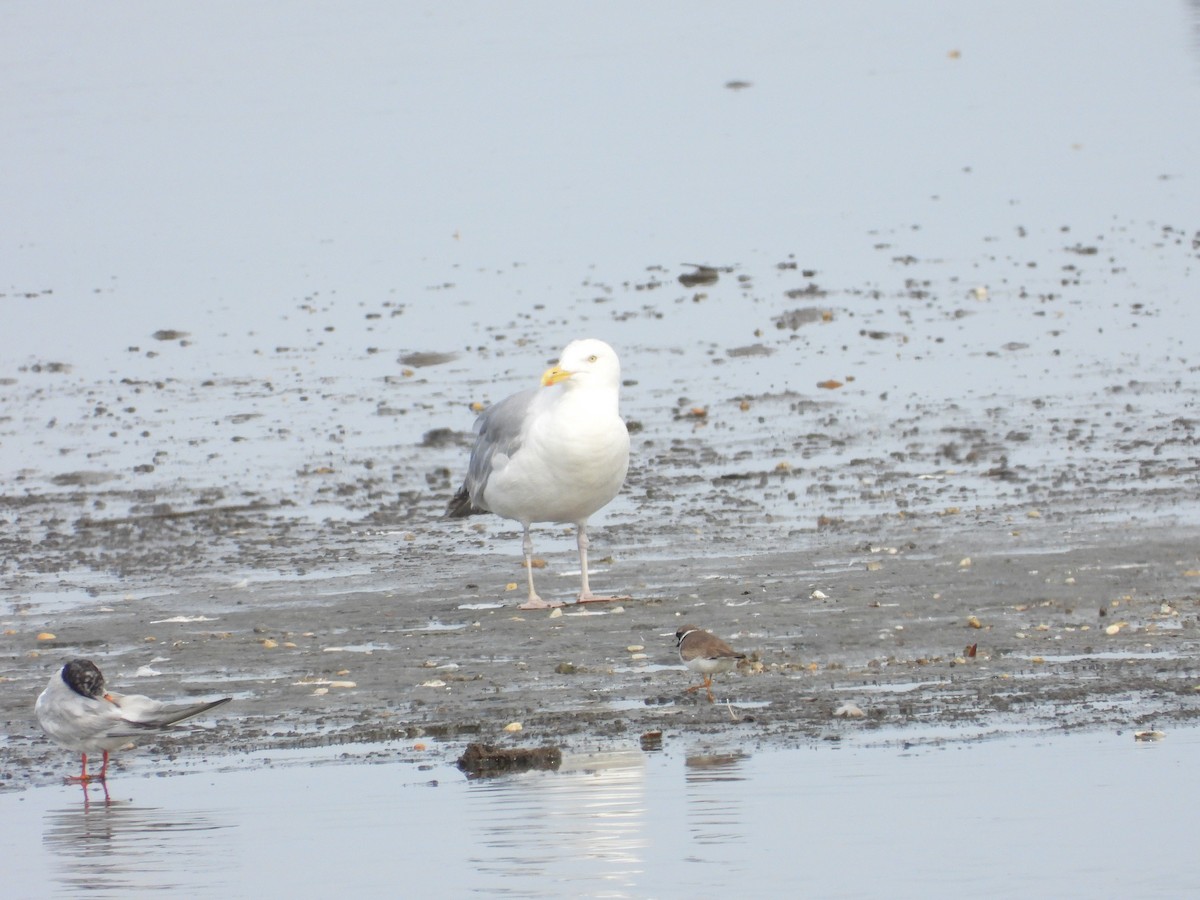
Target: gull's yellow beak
[(554, 376)]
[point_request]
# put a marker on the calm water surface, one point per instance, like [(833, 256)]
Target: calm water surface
[(1082, 815)]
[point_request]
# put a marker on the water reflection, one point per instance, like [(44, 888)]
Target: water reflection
[(715, 811), (629, 824), (569, 830), (715, 814), (111, 848)]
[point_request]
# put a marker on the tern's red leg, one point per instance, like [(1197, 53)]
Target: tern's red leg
[(104, 769), (83, 777)]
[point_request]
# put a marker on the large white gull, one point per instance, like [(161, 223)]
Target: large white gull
[(554, 453)]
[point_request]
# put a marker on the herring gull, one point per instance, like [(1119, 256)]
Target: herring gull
[(554, 453)]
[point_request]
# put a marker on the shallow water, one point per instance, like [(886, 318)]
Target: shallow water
[(1079, 815)]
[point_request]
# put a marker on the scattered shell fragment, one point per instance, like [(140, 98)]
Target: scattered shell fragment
[(434, 683), (849, 710), (974, 622), (1115, 627), (556, 613), (1148, 735), (46, 636), (818, 595), (635, 648), (269, 643), (965, 562), (320, 692), (513, 726)]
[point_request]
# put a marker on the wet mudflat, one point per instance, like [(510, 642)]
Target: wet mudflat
[(1016, 547), (909, 371)]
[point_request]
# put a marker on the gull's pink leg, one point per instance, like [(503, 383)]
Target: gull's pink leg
[(534, 601), (585, 590)]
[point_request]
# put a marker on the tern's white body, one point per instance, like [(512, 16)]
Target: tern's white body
[(79, 714)]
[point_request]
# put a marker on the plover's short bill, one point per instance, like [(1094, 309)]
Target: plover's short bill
[(706, 654), (78, 713)]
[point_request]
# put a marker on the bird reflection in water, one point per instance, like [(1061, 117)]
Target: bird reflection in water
[(715, 797), (87, 797), (593, 810), (112, 845)]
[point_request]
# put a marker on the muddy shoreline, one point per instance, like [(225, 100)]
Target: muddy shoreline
[(1093, 629)]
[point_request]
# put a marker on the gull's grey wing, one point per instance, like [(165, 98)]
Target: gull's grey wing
[(499, 429)]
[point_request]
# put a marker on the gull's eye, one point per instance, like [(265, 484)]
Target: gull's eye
[(593, 358)]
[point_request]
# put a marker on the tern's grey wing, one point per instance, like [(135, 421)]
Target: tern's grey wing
[(499, 429), (140, 714)]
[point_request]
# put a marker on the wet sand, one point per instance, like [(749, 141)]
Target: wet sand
[(953, 534), (1071, 628)]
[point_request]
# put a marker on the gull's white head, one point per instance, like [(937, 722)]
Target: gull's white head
[(586, 362)]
